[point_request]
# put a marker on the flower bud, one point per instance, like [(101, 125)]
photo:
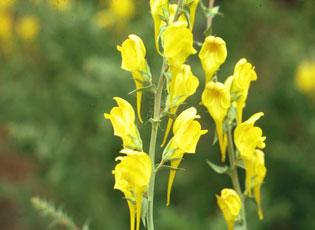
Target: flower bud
[(230, 204)]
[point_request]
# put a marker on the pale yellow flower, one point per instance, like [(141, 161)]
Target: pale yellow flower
[(133, 54), (244, 74), (305, 77), (177, 43), (28, 28), (183, 83), (122, 118), (212, 54), (248, 137), (187, 132), (192, 11), (132, 177), (230, 204), (255, 175), (216, 98)]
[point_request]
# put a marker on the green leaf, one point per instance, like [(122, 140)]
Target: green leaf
[(217, 168)]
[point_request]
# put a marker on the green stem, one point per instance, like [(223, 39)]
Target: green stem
[(155, 125), (235, 179)]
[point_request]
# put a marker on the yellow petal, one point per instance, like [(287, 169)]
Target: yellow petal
[(174, 164), (212, 54)]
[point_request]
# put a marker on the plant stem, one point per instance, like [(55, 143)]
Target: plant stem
[(155, 125), (209, 18), (234, 177)]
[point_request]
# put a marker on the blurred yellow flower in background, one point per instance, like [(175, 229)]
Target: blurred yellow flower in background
[(230, 204), (122, 118), (212, 54), (6, 25), (132, 177), (28, 27), (305, 77), (6, 4), (60, 5), (117, 12)]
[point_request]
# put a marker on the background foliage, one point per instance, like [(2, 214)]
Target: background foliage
[(54, 142)]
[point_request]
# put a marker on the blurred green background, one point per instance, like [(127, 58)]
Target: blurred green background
[(59, 71)]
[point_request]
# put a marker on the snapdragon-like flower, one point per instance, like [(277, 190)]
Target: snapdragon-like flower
[(230, 204), (255, 175), (28, 28), (182, 84), (248, 139), (133, 54), (212, 54), (305, 77), (244, 74), (122, 118), (216, 98), (187, 132), (177, 43), (132, 177)]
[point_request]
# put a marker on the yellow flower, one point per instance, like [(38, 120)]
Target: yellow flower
[(156, 7), (133, 59), (230, 204), (248, 137), (248, 140), (117, 14), (187, 132), (177, 43), (212, 54), (243, 74), (6, 24), (183, 83), (216, 98), (305, 77), (122, 118), (132, 177), (255, 175), (28, 28), (60, 5)]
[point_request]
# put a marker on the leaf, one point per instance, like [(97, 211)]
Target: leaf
[(218, 169)]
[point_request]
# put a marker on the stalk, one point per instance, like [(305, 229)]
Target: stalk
[(235, 178), (155, 126)]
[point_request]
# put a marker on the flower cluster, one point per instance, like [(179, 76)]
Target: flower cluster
[(135, 172), (225, 103)]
